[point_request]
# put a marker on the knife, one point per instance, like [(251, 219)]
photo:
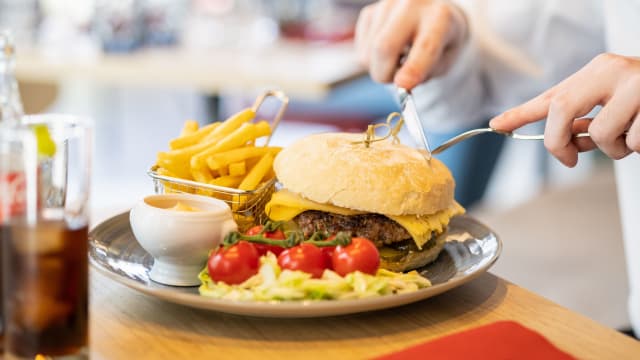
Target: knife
[(410, 116)]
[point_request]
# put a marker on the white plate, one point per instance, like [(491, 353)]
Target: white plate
[(470, 250)]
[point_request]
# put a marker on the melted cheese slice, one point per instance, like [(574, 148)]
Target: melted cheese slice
[(285, 205)]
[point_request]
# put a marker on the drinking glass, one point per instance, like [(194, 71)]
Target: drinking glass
[(45, 166)]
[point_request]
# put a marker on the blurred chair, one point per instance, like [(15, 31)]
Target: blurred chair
[(37, 97)]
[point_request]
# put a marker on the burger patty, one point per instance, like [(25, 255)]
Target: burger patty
[(375, 227)]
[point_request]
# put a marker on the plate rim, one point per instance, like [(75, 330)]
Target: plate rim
[(294, 308)]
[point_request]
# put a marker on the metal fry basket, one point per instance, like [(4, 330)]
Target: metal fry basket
[(247, 206)]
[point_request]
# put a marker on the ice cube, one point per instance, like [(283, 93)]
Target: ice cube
[(49, 277), (46, 237), (39, 313)]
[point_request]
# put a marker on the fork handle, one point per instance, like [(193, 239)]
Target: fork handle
[(471, 133), (541, 136)]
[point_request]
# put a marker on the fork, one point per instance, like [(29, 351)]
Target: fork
[(471, 133)]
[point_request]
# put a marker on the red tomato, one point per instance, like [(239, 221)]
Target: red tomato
[(361, 255), (235, 264), (327, 251), (264, 248), (304, 257)]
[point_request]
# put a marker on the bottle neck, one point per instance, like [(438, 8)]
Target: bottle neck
[(10, 102)]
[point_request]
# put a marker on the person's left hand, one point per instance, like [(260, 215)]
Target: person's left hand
[(612, 81)]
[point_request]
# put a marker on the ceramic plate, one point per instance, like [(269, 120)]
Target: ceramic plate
[(470, 250)]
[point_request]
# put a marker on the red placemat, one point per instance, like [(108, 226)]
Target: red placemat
[(499, 340)]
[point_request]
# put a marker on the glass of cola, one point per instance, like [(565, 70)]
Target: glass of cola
[(45, 171)]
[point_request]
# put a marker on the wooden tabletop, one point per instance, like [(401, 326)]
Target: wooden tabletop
[(128, 325), (300, 69)]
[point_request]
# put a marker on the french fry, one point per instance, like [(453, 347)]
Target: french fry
[(227, 181), (237, 168), (186, 140), (179, 169), (168, 187), (251, 162), (231, 124), (177, 161), (189, 127), (222, 154), (180, 157), (257, 173), (165, 172), (201, 175), (246, 132), (226, 158)]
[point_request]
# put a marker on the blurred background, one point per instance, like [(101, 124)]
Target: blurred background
[(140, 68)]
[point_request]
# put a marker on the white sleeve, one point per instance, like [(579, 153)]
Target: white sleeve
[(516, 50), (622, 27), (452, 101)]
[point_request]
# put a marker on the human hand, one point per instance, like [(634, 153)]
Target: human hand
[(612, 81), (434, 30)]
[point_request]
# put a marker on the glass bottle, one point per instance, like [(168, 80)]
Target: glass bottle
[(10, 112), (10, 102)]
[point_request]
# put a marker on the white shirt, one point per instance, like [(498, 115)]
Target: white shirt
[(518, 49)]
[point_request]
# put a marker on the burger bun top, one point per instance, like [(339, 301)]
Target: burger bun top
[(386, 178)]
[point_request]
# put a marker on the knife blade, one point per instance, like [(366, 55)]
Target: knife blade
[(410, 115)]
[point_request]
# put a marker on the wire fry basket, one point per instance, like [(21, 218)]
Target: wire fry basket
[(247, 206)]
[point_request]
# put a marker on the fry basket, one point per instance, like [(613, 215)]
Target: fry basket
[(247, 206)]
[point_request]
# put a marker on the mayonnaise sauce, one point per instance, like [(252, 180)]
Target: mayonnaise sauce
[(180, 206)]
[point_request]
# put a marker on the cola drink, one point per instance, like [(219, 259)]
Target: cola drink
[(46, 295), (44, 194)]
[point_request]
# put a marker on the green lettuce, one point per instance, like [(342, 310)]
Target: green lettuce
[(272, 283)]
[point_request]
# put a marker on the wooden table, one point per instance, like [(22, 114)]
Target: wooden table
[(300, 69), (128, 325)]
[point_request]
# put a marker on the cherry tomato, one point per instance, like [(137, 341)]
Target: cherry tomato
[(235, 264), (264, 248), (327, 251), (304, 257), (361, 255)]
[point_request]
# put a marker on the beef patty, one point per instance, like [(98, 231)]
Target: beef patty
[(375, 227)]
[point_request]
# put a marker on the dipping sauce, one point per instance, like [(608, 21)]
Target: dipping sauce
[(180, 206)]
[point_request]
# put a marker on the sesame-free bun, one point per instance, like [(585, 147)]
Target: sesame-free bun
[(386, 178)]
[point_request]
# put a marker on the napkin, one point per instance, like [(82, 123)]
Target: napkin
[(499, 340)]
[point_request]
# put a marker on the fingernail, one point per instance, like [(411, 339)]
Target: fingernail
[(494, 121), (403, 81)]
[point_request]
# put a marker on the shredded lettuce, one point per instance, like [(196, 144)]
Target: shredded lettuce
[(271, 283)]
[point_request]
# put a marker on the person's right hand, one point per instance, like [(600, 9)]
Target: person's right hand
[(434, 30)]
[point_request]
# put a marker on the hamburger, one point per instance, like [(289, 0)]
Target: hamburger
[(386, 193)]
